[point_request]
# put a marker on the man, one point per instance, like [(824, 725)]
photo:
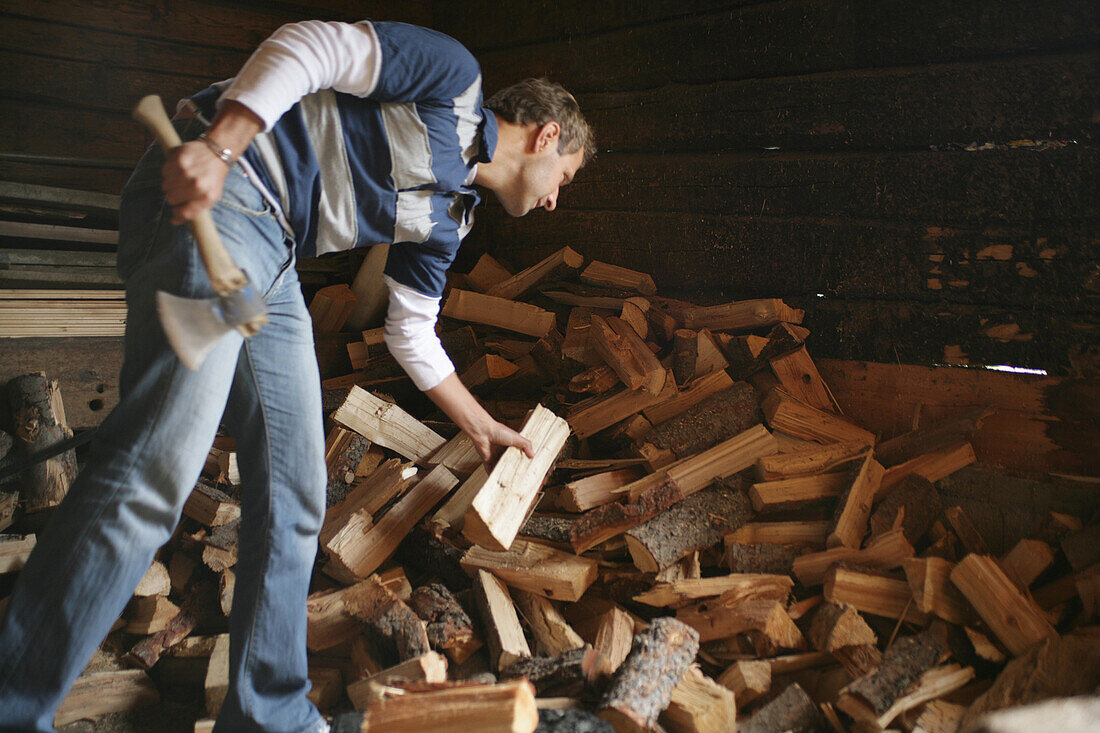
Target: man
[(333, 135)]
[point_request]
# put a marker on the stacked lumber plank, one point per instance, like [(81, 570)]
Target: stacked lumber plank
[(701, 542)]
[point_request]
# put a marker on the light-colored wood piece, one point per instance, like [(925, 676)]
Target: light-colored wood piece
[(742, 315), (809, 532), (614, 636), (504, 635), (928, 578), (535, 568), (700, 705), (790, 493), (507, 707), (627, 355), (331, 307), (487, 273), (14, 551), (784, 412), (885, 552), (798, 374), (504, 500), (1014, 618), (510, 315), (565, 258), (681, 592), (815, 459), (614, 276), (871, 592), (553, 635), (211, 507), (593, 415), (459, 455), (387, 425), (358, 552), (489, 368), (1026, 561), (721, 619), (430, 668), (748, 680), (149, 614), (851, 523), (97, 693), (155, 582), (933, 466), (595, 490), (216, 685)]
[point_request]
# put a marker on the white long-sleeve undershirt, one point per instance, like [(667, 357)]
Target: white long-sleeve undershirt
[(410, 335), (302, 58)]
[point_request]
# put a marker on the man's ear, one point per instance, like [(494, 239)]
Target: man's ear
[(547, 136)]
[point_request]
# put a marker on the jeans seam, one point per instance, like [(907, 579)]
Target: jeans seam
[(246, 654), (83, 536)]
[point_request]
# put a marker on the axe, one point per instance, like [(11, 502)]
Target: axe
[(194, 325)]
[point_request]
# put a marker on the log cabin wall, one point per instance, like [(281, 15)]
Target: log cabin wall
[(921, 177)]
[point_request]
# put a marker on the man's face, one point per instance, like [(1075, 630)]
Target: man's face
[(539, 180)]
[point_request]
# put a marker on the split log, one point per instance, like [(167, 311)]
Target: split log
[(965, 530), (593, 415), (792, 493), (627, 354), (811, 533), (858, 660), (711, 358), (567, 674), (596, 490), (713, 420), (933, 466), (682, 592), (487, 272), (1014, 618), (14, 551), (834, 626), (622, 278), (784, 412), (674, 402), (510, 315), (504, 635), (575, 344), (553, 635), (367, 497), (872, 592), (697, 522), (614, 637), (595, 380), (149, 615), (564, 260), (748, 680), (331, 307), (1082, 548), (387, 425), (97, 693), (535, 568), (508, 707), (685, 352), (907, 659), (699, 705), (193, 610), (38, 419), (817, 459), (216, 685), (459, 455), (489, 369), (449, 627), (854, 507), (210, 506), (883, 553), (394, 623), (430, 668), (643, 687), (913, 505), (356, 551), (1027, 561), (741, 315), (933, 593), (503, 501), (724, 617), (792, 711)]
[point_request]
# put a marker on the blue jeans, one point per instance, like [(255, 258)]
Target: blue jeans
[(146, 459)]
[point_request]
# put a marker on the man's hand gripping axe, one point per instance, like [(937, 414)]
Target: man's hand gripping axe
[(193, 326)]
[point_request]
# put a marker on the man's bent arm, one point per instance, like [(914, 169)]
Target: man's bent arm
[(490, 437)]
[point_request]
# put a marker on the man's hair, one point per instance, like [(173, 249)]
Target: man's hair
[(541, 101)]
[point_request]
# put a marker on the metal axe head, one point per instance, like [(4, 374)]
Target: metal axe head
[(194, 325)]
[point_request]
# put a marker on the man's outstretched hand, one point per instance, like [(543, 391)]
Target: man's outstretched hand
[(489, 436)]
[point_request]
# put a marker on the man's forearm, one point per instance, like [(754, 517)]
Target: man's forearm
[(234, 127), (455, 400)]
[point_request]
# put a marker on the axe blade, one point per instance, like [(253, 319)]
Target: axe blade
[(192, 326)]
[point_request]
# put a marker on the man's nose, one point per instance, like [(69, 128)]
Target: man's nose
[(552, 201)]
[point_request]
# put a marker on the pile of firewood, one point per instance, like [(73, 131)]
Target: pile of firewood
[(701, 542)]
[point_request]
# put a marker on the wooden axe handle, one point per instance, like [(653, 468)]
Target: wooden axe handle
[(224, 274)]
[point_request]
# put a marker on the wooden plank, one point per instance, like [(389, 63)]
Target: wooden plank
[(535, 568), (1041, 424), (465, 305), (1016, 620)]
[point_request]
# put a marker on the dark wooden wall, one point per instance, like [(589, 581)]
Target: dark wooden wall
[(72, 71), (921, 176)]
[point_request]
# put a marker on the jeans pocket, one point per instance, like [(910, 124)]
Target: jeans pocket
[(140, 217)]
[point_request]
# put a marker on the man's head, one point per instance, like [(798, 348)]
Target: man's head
[(544, 140)]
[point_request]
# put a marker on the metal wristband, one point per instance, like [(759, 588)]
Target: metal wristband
[(225, 155)]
